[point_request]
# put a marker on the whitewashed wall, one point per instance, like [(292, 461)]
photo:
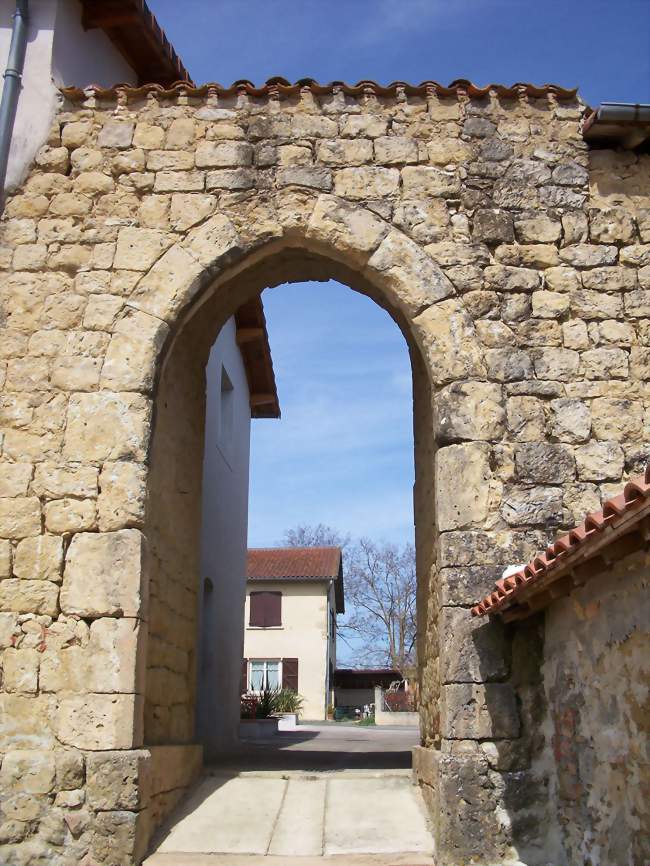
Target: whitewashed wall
[(223, 550), (59, 52)]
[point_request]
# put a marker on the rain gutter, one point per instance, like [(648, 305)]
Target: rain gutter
[(12, 83), (624, 123)]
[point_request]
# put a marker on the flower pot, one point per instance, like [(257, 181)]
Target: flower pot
[(257, 729), (287, 721)]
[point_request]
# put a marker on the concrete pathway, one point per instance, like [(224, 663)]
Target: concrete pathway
[(303, 816)]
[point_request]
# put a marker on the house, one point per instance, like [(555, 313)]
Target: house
[(293, 596), (240, 386), (72, 42), (355, 687), (588, 591)]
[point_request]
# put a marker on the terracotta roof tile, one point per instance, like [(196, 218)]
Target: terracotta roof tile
[(278, 87), (598, 529), (299, 564)]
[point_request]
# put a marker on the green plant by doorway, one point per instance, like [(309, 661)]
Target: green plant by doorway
[(288, 701)]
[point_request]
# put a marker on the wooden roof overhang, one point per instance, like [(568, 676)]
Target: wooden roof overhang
[(133, 29), (253, 341)]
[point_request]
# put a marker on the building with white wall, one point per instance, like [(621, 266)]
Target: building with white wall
[(240, 386), (79, 42), (292, 599)]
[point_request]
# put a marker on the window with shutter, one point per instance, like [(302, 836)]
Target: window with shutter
[(290, 674), (265, 609)]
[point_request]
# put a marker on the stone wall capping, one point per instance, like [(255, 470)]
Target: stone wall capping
[(524, 592)]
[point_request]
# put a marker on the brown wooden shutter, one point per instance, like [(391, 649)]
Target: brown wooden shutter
[(290, 674), (256, 609), (273, 608), (244, 676), (265, 609)]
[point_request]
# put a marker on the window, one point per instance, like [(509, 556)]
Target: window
[(264, 674), (226, 415), (265, 609)]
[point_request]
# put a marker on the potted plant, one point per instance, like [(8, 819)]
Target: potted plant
[(256, 715), (288, 706)]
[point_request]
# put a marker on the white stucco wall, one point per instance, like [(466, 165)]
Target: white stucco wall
[(59, 52), (224, 546), (302, 635)]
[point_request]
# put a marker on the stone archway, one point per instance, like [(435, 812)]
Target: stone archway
[(147, 219)]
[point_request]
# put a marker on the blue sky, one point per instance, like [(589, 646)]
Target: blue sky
[(341, 363)]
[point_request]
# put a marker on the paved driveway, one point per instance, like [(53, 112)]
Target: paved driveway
[(326, 793)]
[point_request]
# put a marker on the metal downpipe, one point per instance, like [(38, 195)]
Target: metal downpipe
[(12, 83)]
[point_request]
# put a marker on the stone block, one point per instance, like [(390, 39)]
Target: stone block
[(137, 249), (447, 337), (25, 722), (557, 364), (474, 651), (122, 499), (39, 558), (469, 410), (346, 152), (104, 574), (508, 365), (570, 420), (308, 177), (231, 179), (188, 209), (462, 504), (366, 183), (109, 661), (526, 420), (395, 150), (132, 355), (107, 426), (589, 304), (493, 226), (533, 506), (117, 780), (604, 364), (610, 279), (20, 517), (223, 154), (211, 244), (179, 181), (346, 227), (539, 229), (28, 770), (502, 278), (29, 596), (100, 722), (171, 283), (588, 255), (20, 670), (479, 712), (114, 840), (363, 126), (419, 181), (616, 419), (116, 133), (15, 479), (412, 281), (544, 463), (70, 515)]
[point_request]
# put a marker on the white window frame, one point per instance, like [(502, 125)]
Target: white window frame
[(265, 662)]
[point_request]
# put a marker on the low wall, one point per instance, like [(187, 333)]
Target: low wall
[(596, 673), (388, 717)]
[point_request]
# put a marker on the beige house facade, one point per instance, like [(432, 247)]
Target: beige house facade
[(293, 597)]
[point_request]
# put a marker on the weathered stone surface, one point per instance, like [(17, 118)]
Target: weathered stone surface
[(421, 181), (29, 596), (122, 498), (526, 421), (20, 672), (99, 722), (542, 463), (137, 249), (366, 183), (20, 516), (116, 133), (533, 506), (114, 779), (493, 227), (107, 426), (471, 711), (345, 227), (462, 504), (28, 770), (477, 650), (70, 515), (104, 574), (130, 363), (447, 336), (616, 419), (570, 420), (469, 410), (411, 279)]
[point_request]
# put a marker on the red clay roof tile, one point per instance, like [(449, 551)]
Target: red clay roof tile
[(278, 87), (633, 502)]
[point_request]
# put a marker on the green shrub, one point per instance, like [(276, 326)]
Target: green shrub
[(288, 701)]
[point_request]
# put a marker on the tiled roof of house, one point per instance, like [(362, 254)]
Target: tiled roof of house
[(529, 588), (136, 34), (298, 564), (281, 87)]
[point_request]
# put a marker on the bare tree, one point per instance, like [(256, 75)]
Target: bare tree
[(380, 591), (320, 535)]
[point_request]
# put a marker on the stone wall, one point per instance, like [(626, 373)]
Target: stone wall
[(145, 221)]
